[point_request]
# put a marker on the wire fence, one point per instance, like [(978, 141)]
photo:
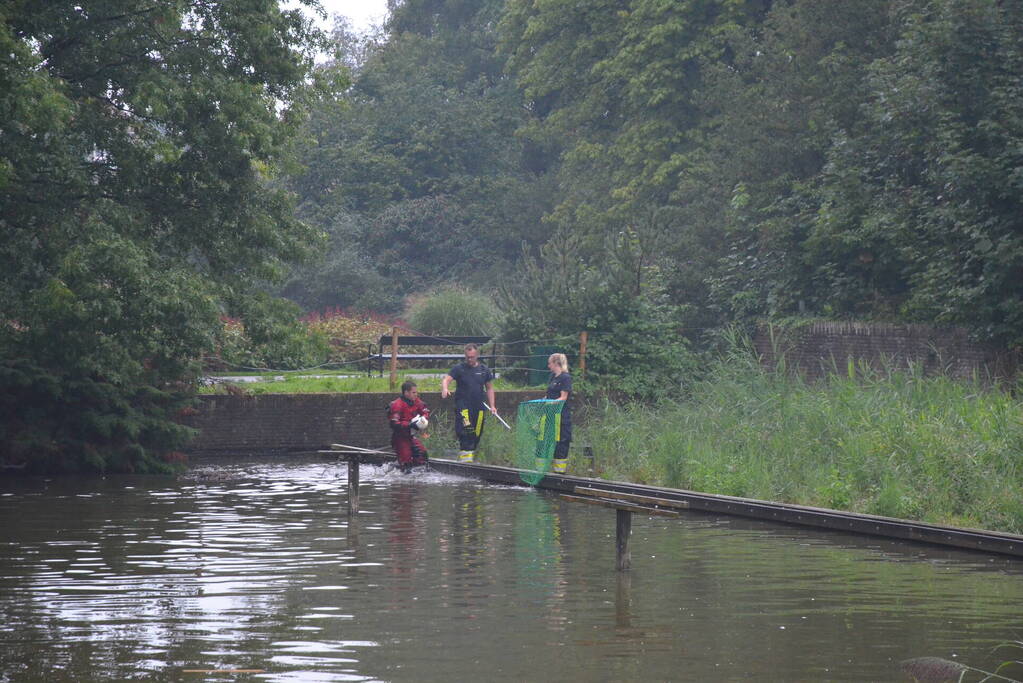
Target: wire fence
[(507, 351), (506, 359)]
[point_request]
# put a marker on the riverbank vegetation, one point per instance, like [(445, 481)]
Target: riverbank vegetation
[(896, 444), (891, 442)]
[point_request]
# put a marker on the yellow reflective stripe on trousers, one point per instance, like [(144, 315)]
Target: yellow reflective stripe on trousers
[(479, 423), (465, 417), (557, 427)]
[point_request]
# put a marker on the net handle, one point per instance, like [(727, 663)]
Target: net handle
[(500, 419)]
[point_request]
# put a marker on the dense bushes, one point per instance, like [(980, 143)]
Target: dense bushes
[(121, 427), (139, 144), (636, 349), (290, 342)]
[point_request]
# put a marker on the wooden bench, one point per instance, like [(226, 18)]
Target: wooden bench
[(387, 341)]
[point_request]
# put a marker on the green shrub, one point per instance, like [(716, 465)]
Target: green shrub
[(269, 335), (454, 311), (635, 349)]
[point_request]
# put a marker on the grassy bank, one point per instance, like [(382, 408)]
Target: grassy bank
[(301, 383), (901, 445)]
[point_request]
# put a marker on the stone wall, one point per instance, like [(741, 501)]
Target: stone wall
[(280, 423), (824, 347)]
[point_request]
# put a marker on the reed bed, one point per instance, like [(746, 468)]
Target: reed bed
[(893, 443)]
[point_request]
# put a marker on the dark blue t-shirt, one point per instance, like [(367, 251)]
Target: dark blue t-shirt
[(470, 391), (557, 384)]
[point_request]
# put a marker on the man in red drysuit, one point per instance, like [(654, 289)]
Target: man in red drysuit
[(404, 414)]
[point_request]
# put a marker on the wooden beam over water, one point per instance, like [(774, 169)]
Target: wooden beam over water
[(631, 497), (768, 511), (621, 505), (623, 521)]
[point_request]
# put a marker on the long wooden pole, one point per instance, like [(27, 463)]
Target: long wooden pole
[(582, 353), (394, 358), (360, 449)]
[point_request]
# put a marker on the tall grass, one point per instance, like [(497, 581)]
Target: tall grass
[(892, 443), (455, 311), (496, 447)]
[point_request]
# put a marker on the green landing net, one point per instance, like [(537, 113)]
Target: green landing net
[(537, 430)]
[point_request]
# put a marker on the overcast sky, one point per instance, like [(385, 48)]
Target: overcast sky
[(363, 13)]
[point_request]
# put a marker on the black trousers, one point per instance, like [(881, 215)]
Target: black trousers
[(561, 448), (469, 427)]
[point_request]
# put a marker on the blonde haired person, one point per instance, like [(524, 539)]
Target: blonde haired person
[(559, 388)]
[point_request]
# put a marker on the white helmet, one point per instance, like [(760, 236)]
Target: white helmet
[(419, 423)]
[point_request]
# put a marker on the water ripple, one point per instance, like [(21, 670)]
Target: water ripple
[(441, 578)]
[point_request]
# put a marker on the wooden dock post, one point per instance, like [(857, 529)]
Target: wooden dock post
[(353, 485), (394, 358), (623, 531), (624, 504), (623, 600)]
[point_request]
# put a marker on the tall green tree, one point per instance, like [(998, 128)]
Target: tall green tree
[(418, 170), (614, 89), (762, 158), (137, 142), (793, 86), (921, 207)]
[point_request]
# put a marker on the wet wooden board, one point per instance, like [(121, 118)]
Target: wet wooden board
[(620, 505), (632, 498)]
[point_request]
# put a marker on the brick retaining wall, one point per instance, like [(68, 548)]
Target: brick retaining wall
[(819, 348), (279, 423)]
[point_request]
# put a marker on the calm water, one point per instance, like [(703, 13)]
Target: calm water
[(254, 566)]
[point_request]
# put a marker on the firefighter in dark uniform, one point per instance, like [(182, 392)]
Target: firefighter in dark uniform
[(559, 389), (408, 417), (474, 386)]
